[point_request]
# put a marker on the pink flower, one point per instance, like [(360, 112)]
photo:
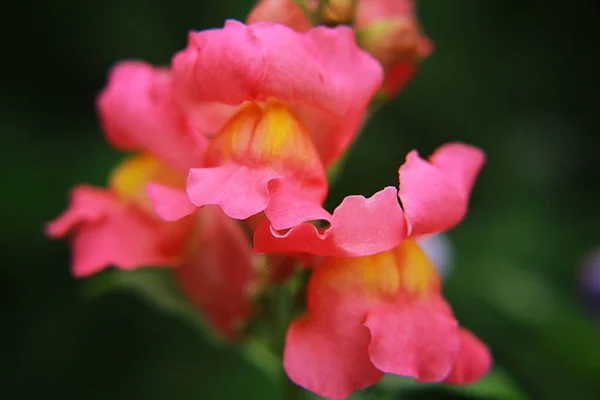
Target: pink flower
[(290, 105), (390, 31), (374, 303), (117, 226)]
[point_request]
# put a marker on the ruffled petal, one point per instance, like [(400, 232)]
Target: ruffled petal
[(88, 203), (107, 232), (240, 191), (435, 193), (127, 238), (138, 112), (287, 209), (396, 296), (359, 226), (473, 362), (262, 160), (413, 339), (327, 360), (218, 273), (256, 62), (327, 349)]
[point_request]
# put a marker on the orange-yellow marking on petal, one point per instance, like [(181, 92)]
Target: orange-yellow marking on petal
[(384, 275), (417, 273), (130, 178), (264, 134), (374, 276)]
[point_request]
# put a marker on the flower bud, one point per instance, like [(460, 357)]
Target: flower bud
[(391, 41), (286, 12), (336, 12), (390, 32), (590, 281)]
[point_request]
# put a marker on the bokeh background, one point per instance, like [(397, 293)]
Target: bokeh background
[(518, 78)]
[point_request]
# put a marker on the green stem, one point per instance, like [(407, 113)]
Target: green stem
[(293, 391)]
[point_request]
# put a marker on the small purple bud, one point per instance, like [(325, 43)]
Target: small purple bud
[(590, 281), (440, 251)]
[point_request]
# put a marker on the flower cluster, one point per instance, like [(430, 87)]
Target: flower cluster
[(230, 146)]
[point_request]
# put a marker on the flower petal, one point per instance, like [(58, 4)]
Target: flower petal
[(240, 191), (256, 62), (88, 203), (328, 361), (327, 349), (473, 362), (218, 273), (138, 112), (359, 226), (170, 203), (127, 238), (413, 339), (108, 232), (262, 160), (435, 194), (287, 209)]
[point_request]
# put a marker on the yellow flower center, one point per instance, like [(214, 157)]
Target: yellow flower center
[(130, 178), (264, 134)]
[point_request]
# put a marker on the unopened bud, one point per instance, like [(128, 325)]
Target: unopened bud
[(336, 12), (286, 12), (392, 41)]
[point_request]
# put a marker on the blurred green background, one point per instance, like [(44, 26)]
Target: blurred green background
[(518, 78)]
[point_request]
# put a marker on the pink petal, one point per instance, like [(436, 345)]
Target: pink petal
[(286, 209), (262, 160), (240, 191), (257, 62), (87, 204), (218, 273), (327, 361), (107, 232), (243, 191), (460, 162), (473, 362), (170, 203), (359, 226), (138, 112), (435, 194), (413, 339), (127, 238)]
